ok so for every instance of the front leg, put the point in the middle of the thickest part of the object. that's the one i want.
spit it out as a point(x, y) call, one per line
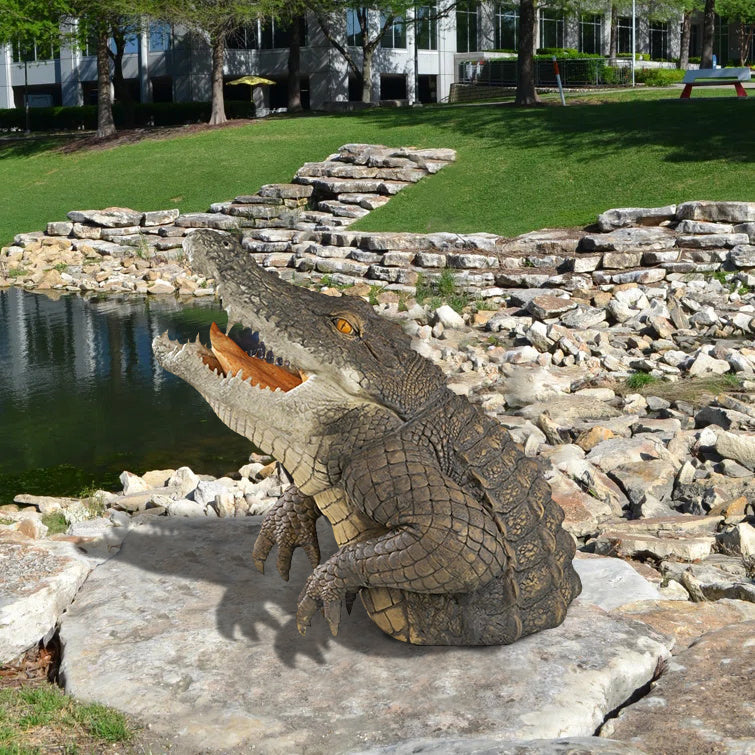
point(439, 539)
point(291, 523)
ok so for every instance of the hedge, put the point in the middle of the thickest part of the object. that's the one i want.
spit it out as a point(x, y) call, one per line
point(142, 114)
point(658, 77)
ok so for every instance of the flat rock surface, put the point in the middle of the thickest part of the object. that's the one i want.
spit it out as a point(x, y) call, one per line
point(38, 579)
point(491, 746)
point(180, 630)
point(703, 703)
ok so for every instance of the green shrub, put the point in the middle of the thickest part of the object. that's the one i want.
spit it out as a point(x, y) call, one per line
point(639, 380)
point(613, 75)
point(138, 115)
point(658, 77)
point(559, 52)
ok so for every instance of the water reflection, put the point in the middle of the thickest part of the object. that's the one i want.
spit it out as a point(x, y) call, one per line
point(82, 397)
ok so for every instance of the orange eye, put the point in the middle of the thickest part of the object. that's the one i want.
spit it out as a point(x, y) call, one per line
point(344, 326)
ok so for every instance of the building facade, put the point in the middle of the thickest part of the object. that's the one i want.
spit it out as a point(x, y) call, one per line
point(417, 60)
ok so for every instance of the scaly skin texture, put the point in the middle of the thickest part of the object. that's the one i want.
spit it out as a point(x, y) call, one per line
point(446, 531)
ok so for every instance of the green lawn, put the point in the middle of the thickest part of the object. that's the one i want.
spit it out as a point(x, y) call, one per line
point(517, 170)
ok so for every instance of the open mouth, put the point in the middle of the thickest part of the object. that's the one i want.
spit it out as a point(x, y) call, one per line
point(251, 359)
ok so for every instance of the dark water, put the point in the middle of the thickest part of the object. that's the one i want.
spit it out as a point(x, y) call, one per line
point(82, 397)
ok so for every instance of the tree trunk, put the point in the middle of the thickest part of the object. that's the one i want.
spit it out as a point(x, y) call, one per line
point(367, 74)
point(684, 42)
point(294, 67)
point(122, 93)
point(217, 115)
point(613, 43)
point(105, 123)
point(709, 27)
point(525, 85)
point(744, 38)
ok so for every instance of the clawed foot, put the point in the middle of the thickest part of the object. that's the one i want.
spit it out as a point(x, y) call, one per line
point(321, 593)
point(290, 524)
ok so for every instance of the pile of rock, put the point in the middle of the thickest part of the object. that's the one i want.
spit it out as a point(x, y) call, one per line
point(119, 249)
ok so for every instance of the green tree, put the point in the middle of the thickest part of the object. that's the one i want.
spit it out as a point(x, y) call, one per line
point(101, 20)
point(25, 20)
point(217, 19)
point(742, 14)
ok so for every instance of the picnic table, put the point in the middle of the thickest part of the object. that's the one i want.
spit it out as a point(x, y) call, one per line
point(706, 77)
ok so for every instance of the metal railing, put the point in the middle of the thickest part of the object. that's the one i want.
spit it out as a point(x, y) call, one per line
point(575, 72)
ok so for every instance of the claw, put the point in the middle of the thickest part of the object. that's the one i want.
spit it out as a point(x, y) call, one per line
point(313, 554)
point(307, 608)
point(349, 599)
point(285, 552)
point(332, 612)
point(262, 547)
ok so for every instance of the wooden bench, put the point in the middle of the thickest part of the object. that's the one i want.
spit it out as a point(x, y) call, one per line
point(707, 77)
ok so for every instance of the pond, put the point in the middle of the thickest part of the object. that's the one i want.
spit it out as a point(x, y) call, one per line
point(82, 397)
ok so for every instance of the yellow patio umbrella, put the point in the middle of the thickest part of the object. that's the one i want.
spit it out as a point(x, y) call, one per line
point(253, 81)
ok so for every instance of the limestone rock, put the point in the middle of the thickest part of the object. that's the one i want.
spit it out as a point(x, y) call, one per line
point(717, 212)
point(714, 578)
point(638, 478)
point(622, 217)
point(449, 317)
point(738, 540)
point(616, 451)
point(686, 621)
point(160, 217)
point(701, 703)
point(610, 583)
point(495, 746)
point(629, 239)
point(583, 513)
point(38, 580)
point(736, 446)
point(704, 364)
point(546, 306)
point(172, 651)
point(110, 217)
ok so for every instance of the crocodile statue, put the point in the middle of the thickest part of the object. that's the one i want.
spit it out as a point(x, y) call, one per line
point(446, 531)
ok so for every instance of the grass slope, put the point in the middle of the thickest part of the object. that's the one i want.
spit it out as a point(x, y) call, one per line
point(517, 170)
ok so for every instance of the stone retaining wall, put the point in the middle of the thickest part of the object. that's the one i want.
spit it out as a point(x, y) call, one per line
point(303, 227)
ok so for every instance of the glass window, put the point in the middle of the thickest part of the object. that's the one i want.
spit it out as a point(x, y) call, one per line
point(160, 37)
point(354, 19)
point(130, 47)
point(658, 40)
point(30, 50)
point(506, 27)
point(721, 41)
point(394, 35)
point(243, 38)
point(625, 35)
point(466, 26)
point(590, 25)
point(426, 26)
point(551, 28)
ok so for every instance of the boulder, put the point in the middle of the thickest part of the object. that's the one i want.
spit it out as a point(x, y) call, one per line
point(638, 478)
point(685, 620)
point(717, 212)
point(110, 217)
point(629, 240)
point(38, 580)
point(702, 702)
point(172, 651)
point(622, 217)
